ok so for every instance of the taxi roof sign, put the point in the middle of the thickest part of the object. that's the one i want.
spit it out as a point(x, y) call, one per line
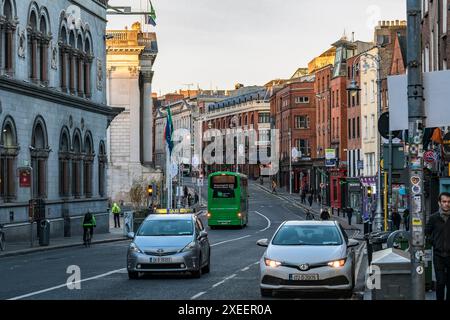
point(174, 211)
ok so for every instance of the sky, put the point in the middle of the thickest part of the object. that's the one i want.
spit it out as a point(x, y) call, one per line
point(218, 43)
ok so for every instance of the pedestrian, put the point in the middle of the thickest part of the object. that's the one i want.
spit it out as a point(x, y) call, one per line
point(196, 198)
point(274, 186)
point(406, 219)
point(349, 215)
point(303, 197)
point(310, 199)
point(319, 198)
point(189, 200)
point(396, 219)
point(309, 215)
point(116, 213)
point(261, 180)
point(324, 215)
point(437, 231)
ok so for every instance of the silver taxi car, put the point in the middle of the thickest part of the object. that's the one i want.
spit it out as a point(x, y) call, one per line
point(169, 243)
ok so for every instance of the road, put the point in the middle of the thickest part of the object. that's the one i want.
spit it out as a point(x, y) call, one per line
point(234, 265)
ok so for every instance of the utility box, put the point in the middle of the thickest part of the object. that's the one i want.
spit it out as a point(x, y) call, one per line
point(398, 159)
point(394, 267)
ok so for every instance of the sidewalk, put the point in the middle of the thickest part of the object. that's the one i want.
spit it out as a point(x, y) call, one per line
point(315, 209)
point(20, 248)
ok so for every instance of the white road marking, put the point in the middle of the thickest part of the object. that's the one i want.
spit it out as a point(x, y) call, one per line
point(361, 255)
point(198, 295)
point(65, 285)
point(268, 224)
point(231, 240)
point(231, 277)
point(245, 269)
point(218, 283)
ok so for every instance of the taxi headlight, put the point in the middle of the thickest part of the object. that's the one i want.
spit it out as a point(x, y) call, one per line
point(134, 248)
point(272, 263)
point(189, 247)
point(337, 263)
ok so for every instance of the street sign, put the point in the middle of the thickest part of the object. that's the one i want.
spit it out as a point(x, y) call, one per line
point(200, 182)
point(429, 156)
point(173, 170)
point(24, 177)
point(330, 162)
point(330, 154)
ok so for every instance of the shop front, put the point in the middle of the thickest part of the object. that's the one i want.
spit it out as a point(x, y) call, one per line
point(368, 185)
point(355, 192)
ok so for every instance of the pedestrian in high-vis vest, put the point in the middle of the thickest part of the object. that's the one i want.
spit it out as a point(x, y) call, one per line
point(116, 213)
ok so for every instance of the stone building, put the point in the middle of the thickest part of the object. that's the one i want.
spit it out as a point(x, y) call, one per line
point(53, 113)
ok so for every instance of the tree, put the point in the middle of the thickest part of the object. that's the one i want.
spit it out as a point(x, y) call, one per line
point(138, 194)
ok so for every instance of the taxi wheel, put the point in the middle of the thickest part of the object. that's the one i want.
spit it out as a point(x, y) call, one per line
point(266, 292)
point(206, 268)
point(133, 275)
point(198, 273)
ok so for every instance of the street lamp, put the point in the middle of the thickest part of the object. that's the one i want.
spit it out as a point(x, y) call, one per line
point(290, 162)
point(353, 88)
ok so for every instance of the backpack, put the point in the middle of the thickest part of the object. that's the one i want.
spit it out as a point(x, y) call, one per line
point(88, 217)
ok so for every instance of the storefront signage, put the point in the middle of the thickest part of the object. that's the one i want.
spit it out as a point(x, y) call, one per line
point(24, 177)
point(330, 154)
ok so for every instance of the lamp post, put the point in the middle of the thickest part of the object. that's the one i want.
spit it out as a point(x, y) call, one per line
point(354, 88)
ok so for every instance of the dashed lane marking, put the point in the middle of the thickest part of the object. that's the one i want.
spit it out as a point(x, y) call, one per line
point(198, 295)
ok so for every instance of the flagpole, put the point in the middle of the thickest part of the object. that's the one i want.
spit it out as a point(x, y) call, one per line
point(168, 180)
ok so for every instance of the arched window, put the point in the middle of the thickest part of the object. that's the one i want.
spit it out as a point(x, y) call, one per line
point(76, 164)
point(72, 62)
point(102, 160)
point(44, 47)
point(64, 163)
point(7, 32)
point(88, 164)
point(79, 66)
point(39, 155)
point(33, 39)
point(9, 150)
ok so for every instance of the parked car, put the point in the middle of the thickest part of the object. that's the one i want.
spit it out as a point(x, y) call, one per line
point(308, 256)
point(169, 243)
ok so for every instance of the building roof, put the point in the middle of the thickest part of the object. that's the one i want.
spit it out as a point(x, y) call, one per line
point(242, 95)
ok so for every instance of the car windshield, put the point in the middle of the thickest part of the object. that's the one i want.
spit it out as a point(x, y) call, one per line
point(166, 228)
point(307, 235)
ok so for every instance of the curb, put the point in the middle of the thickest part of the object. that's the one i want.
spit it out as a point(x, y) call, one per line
point(39, 249)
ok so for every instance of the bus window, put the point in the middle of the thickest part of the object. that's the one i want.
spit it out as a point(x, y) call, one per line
point(223, 186)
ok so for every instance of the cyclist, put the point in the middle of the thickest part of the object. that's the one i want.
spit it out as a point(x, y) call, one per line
point(88, 225)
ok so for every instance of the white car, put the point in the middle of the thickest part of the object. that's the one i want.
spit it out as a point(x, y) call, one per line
point(310, 256)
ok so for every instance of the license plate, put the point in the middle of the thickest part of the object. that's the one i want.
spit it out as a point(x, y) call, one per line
point(306, 277)
point(160, 260)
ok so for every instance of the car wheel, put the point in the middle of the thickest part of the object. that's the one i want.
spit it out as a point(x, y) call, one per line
point(266, 292)
point(213, 227)
point(133, 275)
point(207, 267)
point(198, 273)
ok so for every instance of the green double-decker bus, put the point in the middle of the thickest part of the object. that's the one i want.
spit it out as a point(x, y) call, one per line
point(227, 199)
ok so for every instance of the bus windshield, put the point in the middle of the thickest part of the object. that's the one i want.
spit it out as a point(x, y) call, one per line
point(223, 186)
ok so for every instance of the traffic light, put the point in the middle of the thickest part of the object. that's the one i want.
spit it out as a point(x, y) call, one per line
point(150, 190)
point(369, 192)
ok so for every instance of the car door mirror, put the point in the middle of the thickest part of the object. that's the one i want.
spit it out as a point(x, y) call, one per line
point(352, 243)
point(130, 235)
point(203, 234)
point(263, 242)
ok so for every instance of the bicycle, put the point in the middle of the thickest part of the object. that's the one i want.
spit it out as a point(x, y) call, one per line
point(2, 239)
point(87, 243)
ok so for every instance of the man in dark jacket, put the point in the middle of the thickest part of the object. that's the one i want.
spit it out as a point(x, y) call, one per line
point(437, 231)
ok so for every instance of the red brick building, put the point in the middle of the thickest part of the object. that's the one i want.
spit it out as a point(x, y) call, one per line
point(294, 110)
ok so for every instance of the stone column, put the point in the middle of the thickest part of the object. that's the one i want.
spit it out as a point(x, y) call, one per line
point(80, 75)
point(9, 39)
point(72, 61)
point(64, 57)
point(87, 74)
point(147, 121)
point(34, 49)
point(44, 60)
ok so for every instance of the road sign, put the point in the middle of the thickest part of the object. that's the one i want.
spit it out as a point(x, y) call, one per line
point(429, 156)
point(330, 162)
point(200, 182)
point(330, 154)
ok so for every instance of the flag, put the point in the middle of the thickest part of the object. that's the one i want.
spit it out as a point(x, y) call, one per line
point(437, 136)
point(151, 17)
point(169, 130)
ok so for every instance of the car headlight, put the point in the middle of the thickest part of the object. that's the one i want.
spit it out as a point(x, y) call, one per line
point(337, 263)
point(134, 248)
point(272, 263)
point(189, 247)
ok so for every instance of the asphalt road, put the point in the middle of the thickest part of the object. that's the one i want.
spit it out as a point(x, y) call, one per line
point(234, 265)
